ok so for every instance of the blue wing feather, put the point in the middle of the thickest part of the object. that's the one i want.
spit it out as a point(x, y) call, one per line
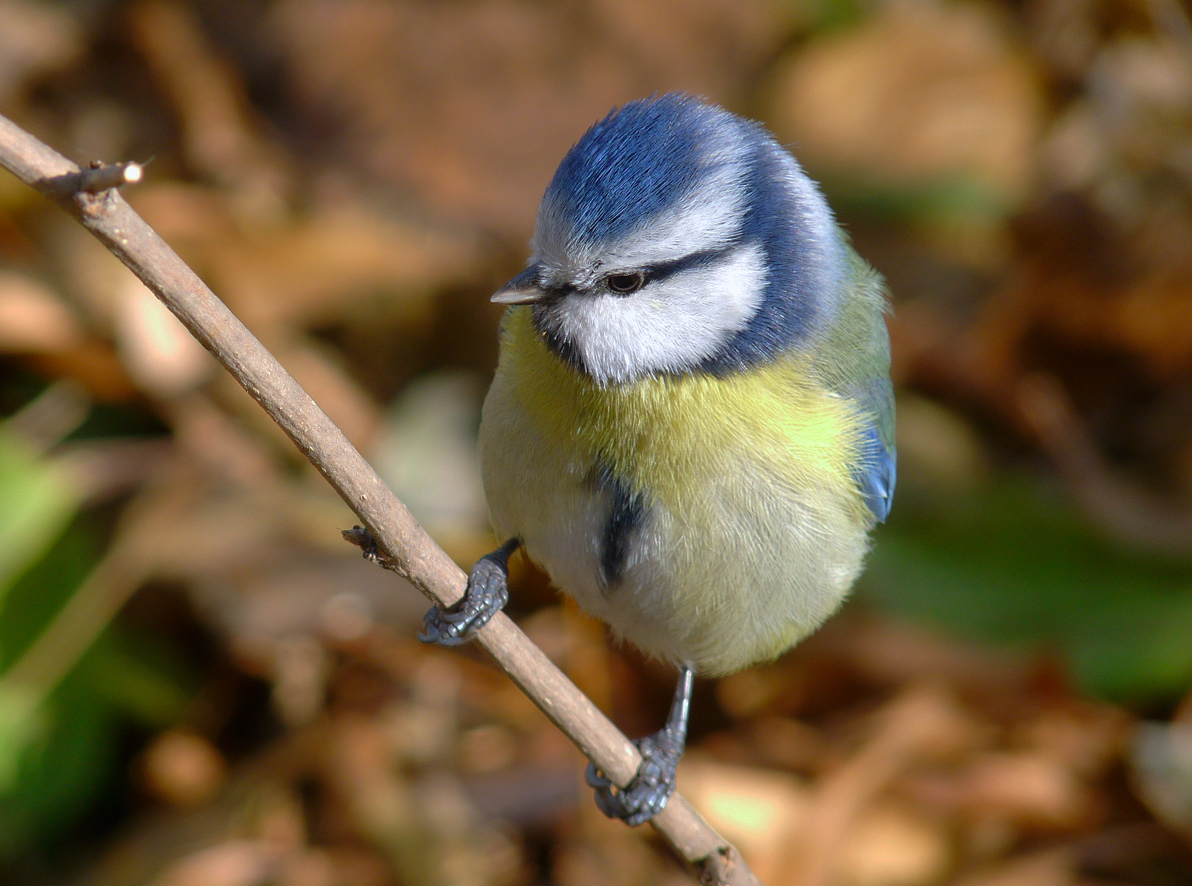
point(876, 474)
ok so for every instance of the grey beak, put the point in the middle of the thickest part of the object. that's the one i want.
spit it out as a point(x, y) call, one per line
point(521, 290)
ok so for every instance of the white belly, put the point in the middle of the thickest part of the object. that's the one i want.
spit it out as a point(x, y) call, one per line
point(741, 569)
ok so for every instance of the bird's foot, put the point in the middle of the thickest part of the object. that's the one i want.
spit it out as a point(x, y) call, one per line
point(486, 595)
point(651, 787)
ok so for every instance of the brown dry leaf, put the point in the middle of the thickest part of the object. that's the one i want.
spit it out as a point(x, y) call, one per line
point(261, 605)
point(34, 39)
point(757, 810)
point(788, 744)
point(920, 93)
point(471, 106)
point(425, 824)
point(1054, 867)
point(219, 136)
point(360, 767)
point(94, 365)
point(309, 269)
point(893, 845)
point(892, 654)
point(234, 863)
point(36, 323)
point(1029, 789)
point(304, 274)
point(1086, 739)
point(763, 811)
point(33, 318)
point(923, 723)
point(183, 768)
point(603, 855)
point(1149, 319)
point(1141, 88)
point(752, 691)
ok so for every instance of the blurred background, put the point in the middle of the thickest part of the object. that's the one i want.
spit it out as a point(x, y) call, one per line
point(200, 683)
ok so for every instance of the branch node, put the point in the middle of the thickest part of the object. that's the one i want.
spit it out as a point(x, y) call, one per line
point(88, 187)
point(717, 868)
point(363, 539)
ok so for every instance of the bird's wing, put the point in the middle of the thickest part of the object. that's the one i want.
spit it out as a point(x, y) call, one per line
point(855, 355)
point(877, 468)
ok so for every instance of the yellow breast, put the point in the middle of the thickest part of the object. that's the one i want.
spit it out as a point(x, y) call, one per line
point(756, 527)
point(657, 432)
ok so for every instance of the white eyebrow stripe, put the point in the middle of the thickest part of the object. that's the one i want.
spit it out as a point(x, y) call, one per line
point(707, 218)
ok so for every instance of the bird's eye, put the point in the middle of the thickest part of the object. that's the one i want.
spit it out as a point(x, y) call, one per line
point(624, 284)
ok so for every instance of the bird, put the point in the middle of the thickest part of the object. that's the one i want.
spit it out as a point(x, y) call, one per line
point(691, 424)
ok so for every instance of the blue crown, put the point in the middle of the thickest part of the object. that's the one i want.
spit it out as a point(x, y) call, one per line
point(638, 160)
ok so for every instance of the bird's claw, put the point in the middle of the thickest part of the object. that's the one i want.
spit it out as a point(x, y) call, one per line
point(486, 595)
point(651, 786)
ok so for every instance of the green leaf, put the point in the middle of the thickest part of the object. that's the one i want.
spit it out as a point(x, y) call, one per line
point(37, 500)
point(1009, 565)
point(58, 773)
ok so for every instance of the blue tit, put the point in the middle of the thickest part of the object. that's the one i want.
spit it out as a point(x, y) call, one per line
point(691, 427)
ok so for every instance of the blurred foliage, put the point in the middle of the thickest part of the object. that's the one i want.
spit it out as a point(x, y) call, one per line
point(199, 683)
point(1010, 564)
point(60, 731)
point(37, 502)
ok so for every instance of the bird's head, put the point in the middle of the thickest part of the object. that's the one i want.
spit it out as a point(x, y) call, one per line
point(677, 237)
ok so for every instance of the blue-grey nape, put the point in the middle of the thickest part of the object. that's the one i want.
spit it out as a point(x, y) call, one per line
point(803, 264)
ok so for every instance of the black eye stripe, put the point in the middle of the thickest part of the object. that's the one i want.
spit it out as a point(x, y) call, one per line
point(694, 260)
point(559, 291)
point(662, 270)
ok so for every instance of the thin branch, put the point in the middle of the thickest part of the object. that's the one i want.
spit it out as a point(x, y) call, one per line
point(415, 555)
point(99, 176)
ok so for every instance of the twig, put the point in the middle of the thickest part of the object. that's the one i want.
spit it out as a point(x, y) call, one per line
point(96, 178)
point(399, 537)
point(100, 176)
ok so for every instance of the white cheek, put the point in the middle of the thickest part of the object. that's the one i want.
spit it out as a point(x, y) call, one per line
point(672, 325)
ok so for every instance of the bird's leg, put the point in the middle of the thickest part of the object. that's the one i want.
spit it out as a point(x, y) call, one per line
point(486, 595)
point(647, 793)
